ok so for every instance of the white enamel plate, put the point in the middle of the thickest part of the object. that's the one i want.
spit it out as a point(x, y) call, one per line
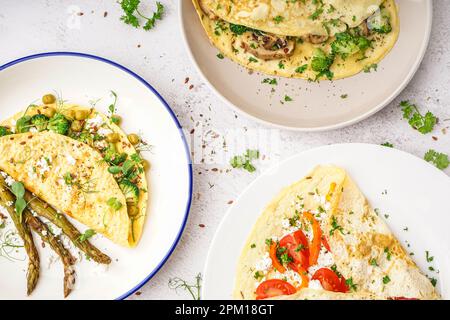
point(82, 79)
point(315, 107)
point(413, 194)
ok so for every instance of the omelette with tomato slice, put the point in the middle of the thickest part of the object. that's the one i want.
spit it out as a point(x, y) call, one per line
point(320, 239)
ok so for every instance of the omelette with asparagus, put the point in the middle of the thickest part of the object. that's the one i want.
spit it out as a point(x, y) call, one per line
point(308, 39)
point(60, 159)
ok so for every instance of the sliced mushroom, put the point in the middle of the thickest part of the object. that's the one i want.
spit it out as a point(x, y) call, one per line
point(315, 38)
point(207, 10)
point(364, 29)
point(267, 46)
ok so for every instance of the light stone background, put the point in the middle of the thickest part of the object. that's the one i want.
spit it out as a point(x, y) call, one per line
point(34, 26)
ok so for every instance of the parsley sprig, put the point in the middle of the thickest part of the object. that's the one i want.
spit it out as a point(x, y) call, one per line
point(440, 160)
point(245, 161)
point(422, 123)
point(132, 14)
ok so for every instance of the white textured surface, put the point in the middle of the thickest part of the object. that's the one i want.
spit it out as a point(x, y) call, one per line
point(28, 27)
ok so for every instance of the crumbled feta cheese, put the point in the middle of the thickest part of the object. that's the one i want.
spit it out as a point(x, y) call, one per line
point(32, 172)
point(95, 123)
point(325, 258)
point(9, 181)
point(104, 131)
point(285, 224)
point(33, 130)
point(44, 233)
point(44, 164)
point(70, 160)
point(9, 203)
point(264, 264)
point(315, 284)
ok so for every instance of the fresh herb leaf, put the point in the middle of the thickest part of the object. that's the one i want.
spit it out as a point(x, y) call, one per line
point(89, 233)
point(244, 161)
point(422, 123)
point(193, 289)
point(132, 14)
point(440, 160)
point(114, 203)
point(387, 144)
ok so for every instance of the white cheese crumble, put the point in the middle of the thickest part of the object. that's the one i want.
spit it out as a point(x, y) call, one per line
point(44, 164)
point(33, 130)
point(93, 124)
point(104, 131)
point(315, 284)
point(8, 180)
point(70, 160)
point(264, 264)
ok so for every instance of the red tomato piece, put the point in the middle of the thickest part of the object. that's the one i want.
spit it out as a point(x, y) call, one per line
point(273, 288)
point(330, 281)
point(297, 247)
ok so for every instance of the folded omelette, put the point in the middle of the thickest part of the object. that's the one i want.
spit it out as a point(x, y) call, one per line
point(81, 163)
point(309, 39)
point(320, 239)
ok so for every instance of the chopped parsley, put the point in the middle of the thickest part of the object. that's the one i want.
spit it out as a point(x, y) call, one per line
point(335, 226)
point(386, 279)
point(301, 69)
point(370, 67)
point(287, 98)
point(132, 14)
point(387, 144)
point(220, 56)
point(422, 123)
point(258, 275)
point(428, 257)
point(253, 246)
point(273, 81)
point(440, 160)
point(350, 284)
point(373, 262)
point(388, 253)
point(245, 161)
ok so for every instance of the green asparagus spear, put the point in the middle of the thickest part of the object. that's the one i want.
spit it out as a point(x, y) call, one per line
point(55, 243)
point(25, 233)
point(44, 210)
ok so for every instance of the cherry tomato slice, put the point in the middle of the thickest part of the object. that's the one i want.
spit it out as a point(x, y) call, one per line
point(297, 247)
point(330, 280)
point(325, 243)
point(273, 288)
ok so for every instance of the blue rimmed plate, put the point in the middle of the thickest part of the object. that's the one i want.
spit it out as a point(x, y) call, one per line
point(83, 79)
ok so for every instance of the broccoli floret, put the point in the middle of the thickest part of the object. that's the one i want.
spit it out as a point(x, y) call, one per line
point(380, 22)
point(130, 190)
point(59, 124)
point(114, 157)
point(23, 124)
point(4, 131)
point(39, 121)
point(84, 137)
point(321, 63)
point(347, 44)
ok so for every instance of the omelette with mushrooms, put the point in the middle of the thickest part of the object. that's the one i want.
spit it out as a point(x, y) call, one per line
point(309, 39)
point(74, 158)
point(320, 239)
